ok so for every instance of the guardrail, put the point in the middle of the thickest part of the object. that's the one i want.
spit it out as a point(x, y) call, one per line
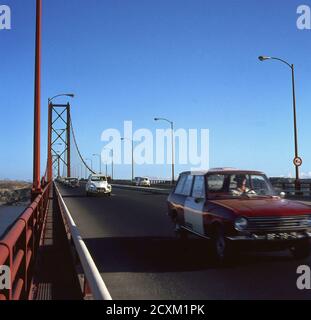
point(92, 280)
point(165, 184)
point(289, 188)
point(19, 246)
point(143, 189)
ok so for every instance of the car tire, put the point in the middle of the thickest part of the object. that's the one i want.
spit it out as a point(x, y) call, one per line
point(221, 248)
point(301, 250)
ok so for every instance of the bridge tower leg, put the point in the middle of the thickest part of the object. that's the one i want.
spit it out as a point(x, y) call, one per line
point(49, 168)
point(68, 141)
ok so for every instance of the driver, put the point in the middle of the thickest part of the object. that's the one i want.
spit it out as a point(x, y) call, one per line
point(241, 187)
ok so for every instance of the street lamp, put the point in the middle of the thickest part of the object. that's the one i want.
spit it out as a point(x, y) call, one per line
point(70, 95)
point(100, 161)
point(111, 163)
point(172, 133)
point(123, 139)
point(297, 160)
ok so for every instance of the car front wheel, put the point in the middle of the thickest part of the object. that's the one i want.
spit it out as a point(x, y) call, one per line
point(221, 249)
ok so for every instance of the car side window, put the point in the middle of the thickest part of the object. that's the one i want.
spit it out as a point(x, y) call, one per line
point(180, 184)
point(198, 187)
point(187, 186)
point(215, 182)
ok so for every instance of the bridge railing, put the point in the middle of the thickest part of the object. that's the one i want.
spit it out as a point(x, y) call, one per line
point(19, 246)
point(289, 188)
point(92, 282)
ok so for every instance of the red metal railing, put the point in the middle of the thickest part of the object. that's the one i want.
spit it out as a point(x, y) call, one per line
point(18, 248)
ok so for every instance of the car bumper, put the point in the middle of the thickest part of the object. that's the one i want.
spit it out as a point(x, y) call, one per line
point(99, 191)
point(268, 243)
point(284, 236)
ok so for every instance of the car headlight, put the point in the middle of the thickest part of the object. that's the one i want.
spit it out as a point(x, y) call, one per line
point(240, 224)
point(92, 186)
point(109, 186)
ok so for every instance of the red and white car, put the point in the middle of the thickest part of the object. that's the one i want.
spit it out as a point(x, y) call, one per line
point(230, 206)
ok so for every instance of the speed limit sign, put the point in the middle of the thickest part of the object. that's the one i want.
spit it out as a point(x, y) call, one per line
point(298, 161)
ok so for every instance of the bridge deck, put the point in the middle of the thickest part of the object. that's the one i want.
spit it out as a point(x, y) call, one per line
point(133, 245)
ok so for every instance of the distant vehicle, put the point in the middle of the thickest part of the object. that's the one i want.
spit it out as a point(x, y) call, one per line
point(66, 181)
point(142, 182)
point(238, 209)
point(74, 183)
point(70, 182)
point(97, 184)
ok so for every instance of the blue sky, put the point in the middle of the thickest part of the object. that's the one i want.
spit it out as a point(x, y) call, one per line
point(192, 61)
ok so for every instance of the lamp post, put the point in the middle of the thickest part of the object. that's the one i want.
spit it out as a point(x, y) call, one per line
point(123, 139)
point(100, 161)
point(297, 160)
point(172, 137)
point(111, 163)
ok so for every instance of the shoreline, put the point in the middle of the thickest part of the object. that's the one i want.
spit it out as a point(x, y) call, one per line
point(14, 193)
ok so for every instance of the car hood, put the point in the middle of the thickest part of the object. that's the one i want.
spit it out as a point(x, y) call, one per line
point(264, 207)
point(100, 184)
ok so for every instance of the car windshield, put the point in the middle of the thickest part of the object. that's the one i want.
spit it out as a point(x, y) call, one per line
point(98, 178)
point(238, 185)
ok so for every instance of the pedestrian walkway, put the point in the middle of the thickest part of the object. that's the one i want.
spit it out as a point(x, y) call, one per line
point(55, 276)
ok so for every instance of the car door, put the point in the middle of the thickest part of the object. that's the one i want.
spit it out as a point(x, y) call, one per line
point(179, 196)
point(194, 205)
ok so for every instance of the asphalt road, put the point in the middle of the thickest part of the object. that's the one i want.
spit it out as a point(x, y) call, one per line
point(133, 245)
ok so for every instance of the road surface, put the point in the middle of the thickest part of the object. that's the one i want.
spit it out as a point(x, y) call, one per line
point(133, 245)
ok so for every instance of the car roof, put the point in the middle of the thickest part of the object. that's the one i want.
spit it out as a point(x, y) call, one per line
point(222, 171)
point(97, 175)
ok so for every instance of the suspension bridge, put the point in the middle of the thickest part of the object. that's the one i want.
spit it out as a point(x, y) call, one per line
point(69, 246)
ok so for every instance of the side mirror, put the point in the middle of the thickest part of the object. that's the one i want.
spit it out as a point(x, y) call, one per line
point(198, 200)
point(282, 194)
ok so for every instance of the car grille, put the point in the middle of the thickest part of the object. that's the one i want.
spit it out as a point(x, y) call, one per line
point(292, 223)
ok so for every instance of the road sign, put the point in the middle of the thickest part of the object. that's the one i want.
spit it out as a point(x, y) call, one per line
point(298, 161)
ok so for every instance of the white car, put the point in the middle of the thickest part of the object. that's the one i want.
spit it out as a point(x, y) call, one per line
point(97, 184)
point(142, 182)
